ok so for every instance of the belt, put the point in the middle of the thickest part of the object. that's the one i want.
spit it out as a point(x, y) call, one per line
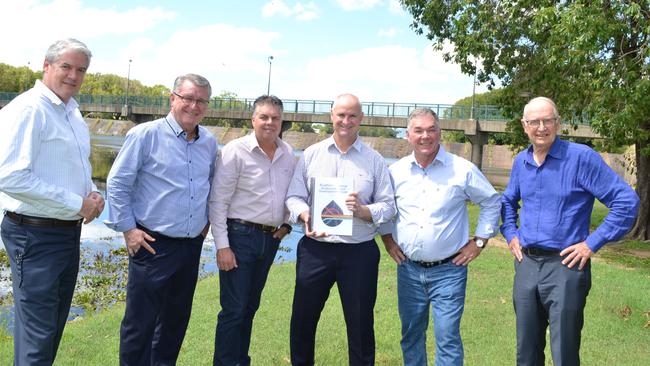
point(41, 221)
point(434, 263)
point(535, 251)
point(265, 228)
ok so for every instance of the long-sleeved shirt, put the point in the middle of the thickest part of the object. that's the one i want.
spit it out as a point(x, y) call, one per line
point(44, 156)
point(162, 181)
point(248, 185)
point(558, 197)
point(432, 221)
point(371, 181)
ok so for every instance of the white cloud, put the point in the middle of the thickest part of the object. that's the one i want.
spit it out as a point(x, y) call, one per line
point(388, 33)
point(395, 7)
point(299, 11)
point(66, 18)
point(389, 73)
point(350, 5)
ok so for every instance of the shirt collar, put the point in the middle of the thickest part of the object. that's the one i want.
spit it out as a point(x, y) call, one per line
point(357, 145)
point(251, 142)
point(176, 128)
point(442, 157)
point(49, 94)
point(557, 151)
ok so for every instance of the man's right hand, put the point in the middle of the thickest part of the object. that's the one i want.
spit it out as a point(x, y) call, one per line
point(515, 249)
point(393, 249)
point(304, 216)
point(136, 238)
point(226, 259)
point(91, 207)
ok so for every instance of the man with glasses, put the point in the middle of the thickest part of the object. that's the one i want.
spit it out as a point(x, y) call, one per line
point(46, 191)
point(248, 222)
point(430, 239)
point(157, 192)
point(556, 182)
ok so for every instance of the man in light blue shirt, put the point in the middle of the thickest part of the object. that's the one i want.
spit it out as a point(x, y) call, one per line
point(157, 192)
point(46, 191)
point(430, 238)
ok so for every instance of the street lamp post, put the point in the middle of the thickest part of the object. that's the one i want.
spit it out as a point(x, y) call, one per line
point(128, 84)
point(268, 85)
point(473, 92)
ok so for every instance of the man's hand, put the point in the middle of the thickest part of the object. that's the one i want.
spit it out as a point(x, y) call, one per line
point(91, 207)
point(304, 216)
point(280, 233)
point(515, 248)
point(136, 238)
point(577, 253)
point(226, 259)
point(358, 210)
point(468, 253)
point(393, 249)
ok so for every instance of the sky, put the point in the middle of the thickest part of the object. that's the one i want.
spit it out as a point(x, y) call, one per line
point(320, 48)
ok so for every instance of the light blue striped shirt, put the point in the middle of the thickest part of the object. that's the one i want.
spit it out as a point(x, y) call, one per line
point(371, 181)
point(432, 221)
point(162, 181)
point(44, 156)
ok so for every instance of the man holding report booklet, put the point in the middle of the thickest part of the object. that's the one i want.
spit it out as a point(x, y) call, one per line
point(349, 260)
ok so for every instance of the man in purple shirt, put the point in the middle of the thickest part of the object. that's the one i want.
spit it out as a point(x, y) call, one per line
point(248, 218)
point(557, 182)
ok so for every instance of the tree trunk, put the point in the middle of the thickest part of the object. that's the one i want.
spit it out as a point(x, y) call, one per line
point(641, 230)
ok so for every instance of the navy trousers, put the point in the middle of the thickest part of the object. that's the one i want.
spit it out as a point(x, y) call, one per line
point(240, 291)
point(159, 296)
point(354, 268)
point(44, 265)
point(548, 292)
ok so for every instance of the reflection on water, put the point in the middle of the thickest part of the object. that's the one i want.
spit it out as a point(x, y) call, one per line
point(103, 265)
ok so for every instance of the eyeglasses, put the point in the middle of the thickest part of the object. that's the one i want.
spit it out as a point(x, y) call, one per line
point(548, 122)
point(190, 101)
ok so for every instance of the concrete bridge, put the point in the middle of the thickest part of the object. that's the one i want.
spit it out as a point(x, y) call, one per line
point(475, 124)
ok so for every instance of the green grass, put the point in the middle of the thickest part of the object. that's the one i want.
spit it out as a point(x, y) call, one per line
point(616, 332)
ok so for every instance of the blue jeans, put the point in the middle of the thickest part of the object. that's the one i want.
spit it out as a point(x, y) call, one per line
point(443, 287)
point(44, 266)
point(240, 292)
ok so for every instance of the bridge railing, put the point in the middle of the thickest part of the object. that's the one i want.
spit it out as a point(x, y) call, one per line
point(374, 109)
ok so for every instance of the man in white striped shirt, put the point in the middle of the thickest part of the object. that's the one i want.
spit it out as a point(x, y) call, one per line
point(46, 191)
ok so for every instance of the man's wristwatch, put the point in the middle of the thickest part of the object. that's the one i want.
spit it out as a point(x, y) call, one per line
point(480, 242)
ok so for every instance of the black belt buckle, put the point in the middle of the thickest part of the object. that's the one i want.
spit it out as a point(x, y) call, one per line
point(264, 228)
point(434, 263)
point(540, 252)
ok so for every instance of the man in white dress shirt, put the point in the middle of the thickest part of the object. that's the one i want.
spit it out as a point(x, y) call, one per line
point(349, 260)
point(46, 191)
point(430, 238)
point(248, 218)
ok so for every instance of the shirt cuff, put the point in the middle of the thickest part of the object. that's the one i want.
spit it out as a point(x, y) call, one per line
point(595, 241)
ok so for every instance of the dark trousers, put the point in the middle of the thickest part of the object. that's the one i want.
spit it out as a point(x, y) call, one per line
point(159, 296)
point(44, 265)
point(240, 292)
point(546, 291)
point(354, 268)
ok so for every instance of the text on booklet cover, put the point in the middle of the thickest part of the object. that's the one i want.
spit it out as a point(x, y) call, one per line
point(329, 213)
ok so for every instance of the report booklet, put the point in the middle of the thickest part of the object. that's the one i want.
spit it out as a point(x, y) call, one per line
point(328, 211)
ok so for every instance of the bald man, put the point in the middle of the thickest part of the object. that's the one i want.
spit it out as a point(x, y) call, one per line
point(349, 260)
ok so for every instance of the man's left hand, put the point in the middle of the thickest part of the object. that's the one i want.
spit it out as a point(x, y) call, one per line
point(577, 253)
point(467, 254)
point(358, 209)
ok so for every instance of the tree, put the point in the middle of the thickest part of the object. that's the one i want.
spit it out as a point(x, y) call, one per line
point(591, 57)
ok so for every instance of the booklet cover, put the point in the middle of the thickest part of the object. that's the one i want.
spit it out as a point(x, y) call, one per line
point(328, 211)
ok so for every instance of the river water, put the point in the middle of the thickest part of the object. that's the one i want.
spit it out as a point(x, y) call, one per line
point(97, 240)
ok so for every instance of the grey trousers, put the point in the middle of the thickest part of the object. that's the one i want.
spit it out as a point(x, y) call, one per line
point(546, 291)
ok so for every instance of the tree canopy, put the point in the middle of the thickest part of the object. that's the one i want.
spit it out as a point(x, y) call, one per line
point(592, 57)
